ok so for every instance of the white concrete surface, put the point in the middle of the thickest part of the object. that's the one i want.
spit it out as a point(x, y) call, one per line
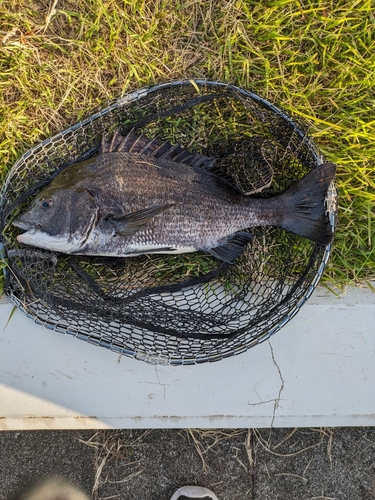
point(319, 370)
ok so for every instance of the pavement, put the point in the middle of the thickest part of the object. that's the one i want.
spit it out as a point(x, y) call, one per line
point(237, 464)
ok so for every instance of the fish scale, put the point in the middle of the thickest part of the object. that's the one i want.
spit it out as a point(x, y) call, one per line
point(204, 205)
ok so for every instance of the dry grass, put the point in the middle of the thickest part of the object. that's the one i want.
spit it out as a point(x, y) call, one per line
point(118, 450)
point(111, 445)
point(253, 439)
point(308, 463)
point(205, 440)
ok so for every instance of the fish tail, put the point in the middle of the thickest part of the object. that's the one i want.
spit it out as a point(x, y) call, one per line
point(304, 204)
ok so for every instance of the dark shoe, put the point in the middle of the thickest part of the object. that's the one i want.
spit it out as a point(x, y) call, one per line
point(194, 493)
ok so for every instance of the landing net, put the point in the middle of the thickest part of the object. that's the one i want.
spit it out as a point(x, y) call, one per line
point(181, 309)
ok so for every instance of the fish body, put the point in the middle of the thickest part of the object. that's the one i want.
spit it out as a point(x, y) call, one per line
point(124, 203)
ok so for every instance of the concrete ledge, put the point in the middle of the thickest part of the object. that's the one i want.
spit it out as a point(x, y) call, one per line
point(319, 370)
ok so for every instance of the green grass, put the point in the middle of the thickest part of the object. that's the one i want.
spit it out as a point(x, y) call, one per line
point(316, 59)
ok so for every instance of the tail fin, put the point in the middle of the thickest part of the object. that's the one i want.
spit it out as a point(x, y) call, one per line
point(304, 204)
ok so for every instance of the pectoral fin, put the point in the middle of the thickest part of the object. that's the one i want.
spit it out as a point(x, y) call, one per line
point(128, 224)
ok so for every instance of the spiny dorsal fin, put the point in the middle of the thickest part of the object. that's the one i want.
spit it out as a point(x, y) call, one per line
point(133, 143)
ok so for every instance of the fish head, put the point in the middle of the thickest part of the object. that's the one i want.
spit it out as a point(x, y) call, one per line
point(59, 219)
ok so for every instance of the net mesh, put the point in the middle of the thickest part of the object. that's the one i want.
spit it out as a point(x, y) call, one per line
point(180, 309)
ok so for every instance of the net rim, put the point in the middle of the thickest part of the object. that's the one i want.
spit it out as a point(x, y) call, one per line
point(125, 99)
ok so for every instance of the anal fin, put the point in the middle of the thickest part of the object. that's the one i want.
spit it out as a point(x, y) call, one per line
point(233, 248)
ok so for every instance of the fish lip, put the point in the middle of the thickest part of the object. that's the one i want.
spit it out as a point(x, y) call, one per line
point(24, 225)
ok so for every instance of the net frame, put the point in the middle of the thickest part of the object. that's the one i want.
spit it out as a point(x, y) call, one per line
point(150, 352)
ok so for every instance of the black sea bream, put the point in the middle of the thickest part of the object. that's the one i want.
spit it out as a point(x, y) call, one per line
point(141, 196)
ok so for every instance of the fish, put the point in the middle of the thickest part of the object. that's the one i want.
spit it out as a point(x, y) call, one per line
point(145, 196)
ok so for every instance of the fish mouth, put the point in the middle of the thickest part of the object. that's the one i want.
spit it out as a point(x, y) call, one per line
point(28, 227)
point(24, 225)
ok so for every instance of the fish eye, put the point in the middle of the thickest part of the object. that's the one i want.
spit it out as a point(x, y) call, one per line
point(45, 203)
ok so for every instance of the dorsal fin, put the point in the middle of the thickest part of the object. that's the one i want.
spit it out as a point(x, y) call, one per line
point(133, 143)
